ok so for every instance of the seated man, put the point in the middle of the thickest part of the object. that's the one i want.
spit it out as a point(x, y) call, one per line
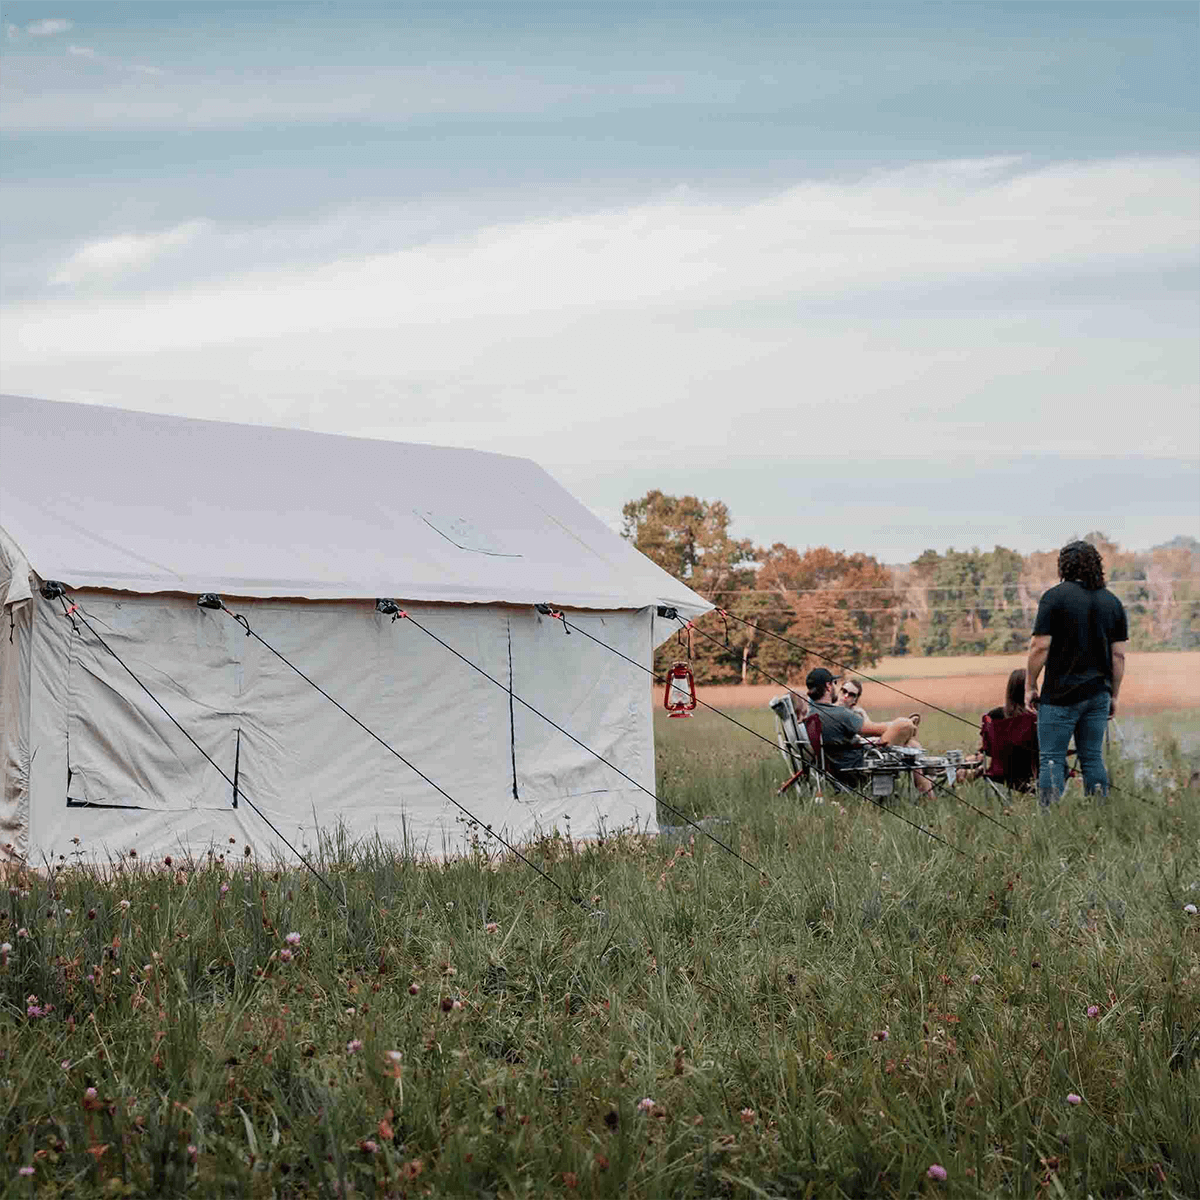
point(841, 727)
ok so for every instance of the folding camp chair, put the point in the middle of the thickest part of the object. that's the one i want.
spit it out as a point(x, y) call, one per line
point(1011, 747)
point(794, 745)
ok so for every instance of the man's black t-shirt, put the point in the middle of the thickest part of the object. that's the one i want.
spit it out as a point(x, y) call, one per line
point(839, 727)
point(1082, 625)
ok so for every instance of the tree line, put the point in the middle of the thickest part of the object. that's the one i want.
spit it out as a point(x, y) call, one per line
point(851, 608)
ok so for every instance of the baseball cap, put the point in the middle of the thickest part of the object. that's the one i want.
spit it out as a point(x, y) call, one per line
point(819, 677)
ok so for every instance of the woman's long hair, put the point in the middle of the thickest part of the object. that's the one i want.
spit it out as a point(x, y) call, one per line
point(1080, 562)
point(1014, 694)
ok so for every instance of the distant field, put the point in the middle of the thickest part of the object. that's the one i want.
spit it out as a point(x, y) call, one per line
point(971, 685)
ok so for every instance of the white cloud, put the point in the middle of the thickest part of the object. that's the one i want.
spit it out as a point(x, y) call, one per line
point(116, 256)
point(805, 318)
point(12, 32)
point(48, 27)
point(82, 52)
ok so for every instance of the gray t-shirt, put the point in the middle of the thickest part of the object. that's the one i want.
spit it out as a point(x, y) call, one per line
point(839, 727)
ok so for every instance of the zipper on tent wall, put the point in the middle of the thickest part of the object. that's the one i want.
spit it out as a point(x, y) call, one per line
point(237, 765)
point(512, 721)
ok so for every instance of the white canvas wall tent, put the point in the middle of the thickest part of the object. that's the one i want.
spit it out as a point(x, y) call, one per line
point(138, 515)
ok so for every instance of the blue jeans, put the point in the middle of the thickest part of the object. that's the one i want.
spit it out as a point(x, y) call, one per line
point(1056, 723)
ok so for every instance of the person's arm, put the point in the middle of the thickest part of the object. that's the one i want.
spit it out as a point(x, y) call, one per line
point(1039, 651)
point(1118, 673)
point(873, 729)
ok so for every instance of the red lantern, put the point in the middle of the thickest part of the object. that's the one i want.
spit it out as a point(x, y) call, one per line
point(679, 696)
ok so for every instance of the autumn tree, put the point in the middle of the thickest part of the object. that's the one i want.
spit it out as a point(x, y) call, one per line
point(690, 539)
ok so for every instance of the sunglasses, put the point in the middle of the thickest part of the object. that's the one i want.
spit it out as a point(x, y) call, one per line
point(852, 694)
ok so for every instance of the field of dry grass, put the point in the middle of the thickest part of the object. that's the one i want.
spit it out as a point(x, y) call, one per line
point(1153, 683)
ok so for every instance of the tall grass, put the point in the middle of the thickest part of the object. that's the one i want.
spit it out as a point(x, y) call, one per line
point(873, 1005)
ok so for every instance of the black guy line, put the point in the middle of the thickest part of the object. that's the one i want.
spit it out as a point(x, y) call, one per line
point(206, 754)
point(754, 732)
point(392, 750)
point(584, 746)
point(950, 791)
point(843, 667)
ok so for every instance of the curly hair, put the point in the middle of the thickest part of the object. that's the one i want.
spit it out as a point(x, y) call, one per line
point(1080, 562)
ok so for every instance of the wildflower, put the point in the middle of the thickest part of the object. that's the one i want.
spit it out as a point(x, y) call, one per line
point(456, 1005)
point(91, 914)
point(880, 1035)
point(1074, 1098)
point(90, 1094)
point(447, 1004)
point(35, 1011)
point(22, 932)
point(1093, 1011)
point(26, 1170)
point(193, 1152)
point(124, 905)
point(645, 1104)
point(354, 1045)
point(1190, 909)
point(976, 978)
point(65, 1064)
point(395, 1055)
point(285, 955)
point(413, 988)
point(6, 948)
point(368, 1146)
point(168, 860)
point(224, 888)
point(292, 939)
point(936, 1171)
point(491, 927)
point(749, 1116)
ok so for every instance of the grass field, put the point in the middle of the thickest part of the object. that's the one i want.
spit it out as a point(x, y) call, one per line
point(874, 1015)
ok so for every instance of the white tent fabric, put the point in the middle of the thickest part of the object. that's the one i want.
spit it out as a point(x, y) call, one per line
point(101, 497)
point(300, 533)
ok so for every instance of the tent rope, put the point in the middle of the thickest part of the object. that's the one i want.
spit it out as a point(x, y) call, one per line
point(582, 745)
point(391, 749)
point(76, 607)
point(949, 790)
point(726, 615)
point(754, 733)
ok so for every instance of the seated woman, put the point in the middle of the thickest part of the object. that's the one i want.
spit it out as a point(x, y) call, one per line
point(1008, 737)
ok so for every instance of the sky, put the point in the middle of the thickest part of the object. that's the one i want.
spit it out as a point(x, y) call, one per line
point(883, 277)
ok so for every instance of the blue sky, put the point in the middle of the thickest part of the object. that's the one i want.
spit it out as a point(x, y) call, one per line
point(881, 276)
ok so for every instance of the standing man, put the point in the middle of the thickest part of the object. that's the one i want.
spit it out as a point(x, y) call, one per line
point(1079, 637)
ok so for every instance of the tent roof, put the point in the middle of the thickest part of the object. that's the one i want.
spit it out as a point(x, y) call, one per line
point(104, 497)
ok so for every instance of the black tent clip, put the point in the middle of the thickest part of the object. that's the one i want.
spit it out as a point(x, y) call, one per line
point(547, 611)
point(667, 611)
point(389, 608)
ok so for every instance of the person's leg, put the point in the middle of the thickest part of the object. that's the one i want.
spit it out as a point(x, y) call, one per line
point(899, 732)
point(903, 732)
point(1056, 723)
point(1089, 743)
